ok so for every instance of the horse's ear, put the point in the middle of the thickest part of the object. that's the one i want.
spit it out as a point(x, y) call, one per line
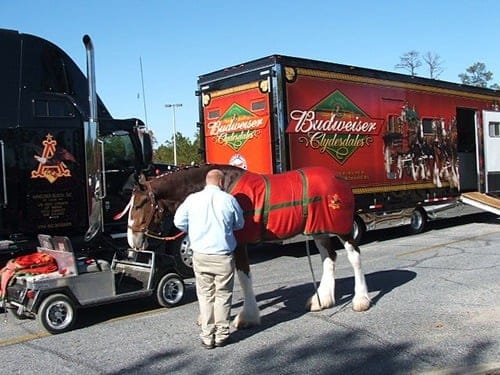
point(137, 181)
point(141, 179)
point(131, 184)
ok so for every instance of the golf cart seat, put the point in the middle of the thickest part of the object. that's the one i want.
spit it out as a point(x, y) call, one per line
point(61, 249)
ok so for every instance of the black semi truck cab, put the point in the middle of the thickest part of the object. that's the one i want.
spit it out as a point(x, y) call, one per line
point(65, 163)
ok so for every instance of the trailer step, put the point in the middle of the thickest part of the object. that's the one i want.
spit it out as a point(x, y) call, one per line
point(483, 201)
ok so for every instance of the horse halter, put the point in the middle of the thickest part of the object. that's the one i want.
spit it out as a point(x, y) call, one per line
point(155, 208)
point(149, 219)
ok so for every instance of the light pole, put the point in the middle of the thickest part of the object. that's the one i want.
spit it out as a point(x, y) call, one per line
point(175, 130)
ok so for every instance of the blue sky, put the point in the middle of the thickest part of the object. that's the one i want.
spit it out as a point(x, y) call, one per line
point(179, 40)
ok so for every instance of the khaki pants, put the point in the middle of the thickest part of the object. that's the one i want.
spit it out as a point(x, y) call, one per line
point(214, 276)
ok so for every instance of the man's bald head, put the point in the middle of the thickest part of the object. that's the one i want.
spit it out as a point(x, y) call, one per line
point(215, 177)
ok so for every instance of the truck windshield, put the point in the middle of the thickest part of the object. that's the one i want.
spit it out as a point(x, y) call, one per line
point(118, 152)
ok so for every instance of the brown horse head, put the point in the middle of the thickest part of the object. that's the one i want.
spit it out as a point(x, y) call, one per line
point(142, 213)
point(155, 199)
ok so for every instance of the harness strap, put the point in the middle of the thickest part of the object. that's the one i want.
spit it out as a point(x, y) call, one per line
point(305, 195)
point(154, 207)
point(167, 238)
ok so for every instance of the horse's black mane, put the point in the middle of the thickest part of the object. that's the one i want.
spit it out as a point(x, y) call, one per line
point(179, 169)
point(185, 177)
point(188, 168)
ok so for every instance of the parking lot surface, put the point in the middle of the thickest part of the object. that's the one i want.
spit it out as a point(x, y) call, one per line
point(435, 310)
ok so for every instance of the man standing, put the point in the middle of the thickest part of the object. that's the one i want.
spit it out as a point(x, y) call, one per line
point(209, 217)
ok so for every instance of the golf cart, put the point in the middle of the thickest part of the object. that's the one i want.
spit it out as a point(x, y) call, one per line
point(56, 298)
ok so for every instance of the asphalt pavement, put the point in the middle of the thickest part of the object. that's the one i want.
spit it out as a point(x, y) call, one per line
point(435, 310)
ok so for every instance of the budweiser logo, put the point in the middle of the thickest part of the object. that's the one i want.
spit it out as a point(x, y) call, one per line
point(306, 122)
point(235, 125)
point(335, 126)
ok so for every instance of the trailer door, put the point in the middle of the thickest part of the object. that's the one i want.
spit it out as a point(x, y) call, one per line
point(491, 140)
point(237, 126)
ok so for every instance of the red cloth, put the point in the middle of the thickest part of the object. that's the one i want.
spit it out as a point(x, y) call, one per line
point(35, 263)
point(309, 201)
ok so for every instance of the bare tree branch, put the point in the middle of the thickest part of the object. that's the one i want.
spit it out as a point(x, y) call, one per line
point(410, 61)
point(434, 64)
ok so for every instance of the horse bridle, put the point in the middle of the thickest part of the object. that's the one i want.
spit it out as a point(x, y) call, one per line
point(155, 208)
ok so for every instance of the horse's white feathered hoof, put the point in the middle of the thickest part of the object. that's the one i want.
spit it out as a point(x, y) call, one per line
point(241, 322)
point(361, 303)
point(315, 304)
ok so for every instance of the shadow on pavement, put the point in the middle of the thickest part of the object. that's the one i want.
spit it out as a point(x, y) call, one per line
point(293, 299)
point(99, 314)
point(267, 251)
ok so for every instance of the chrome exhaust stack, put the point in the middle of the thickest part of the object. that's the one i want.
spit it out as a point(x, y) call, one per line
point(93, 151)
point(89, 47)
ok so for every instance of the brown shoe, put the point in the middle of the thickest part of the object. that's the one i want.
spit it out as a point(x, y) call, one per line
point(207, 346)
point(222, 343)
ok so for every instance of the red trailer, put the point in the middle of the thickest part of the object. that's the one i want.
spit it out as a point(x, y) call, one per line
point(413, 149)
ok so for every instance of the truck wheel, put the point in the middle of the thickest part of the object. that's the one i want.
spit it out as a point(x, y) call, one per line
point(418, 221)
point(183, 255)
point(170, 290)
point(57, 313)
point(358, 230)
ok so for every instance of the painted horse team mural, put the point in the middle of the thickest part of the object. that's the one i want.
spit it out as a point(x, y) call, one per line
point(425, 149)
point(311, 201)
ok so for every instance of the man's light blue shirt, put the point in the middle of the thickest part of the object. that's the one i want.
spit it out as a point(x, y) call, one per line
point(209, 217)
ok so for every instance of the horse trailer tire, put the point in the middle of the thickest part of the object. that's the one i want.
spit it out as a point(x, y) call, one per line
point(170, 290)
point(57, 313)
point(183, 255)
point(418, 221)
point(358, 229)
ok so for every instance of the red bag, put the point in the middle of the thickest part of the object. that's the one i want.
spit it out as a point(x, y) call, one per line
point(35, 263)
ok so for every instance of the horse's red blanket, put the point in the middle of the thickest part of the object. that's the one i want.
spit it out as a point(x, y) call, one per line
point(309, 201)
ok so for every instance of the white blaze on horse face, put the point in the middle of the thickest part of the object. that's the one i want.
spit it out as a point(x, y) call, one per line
point(136, 240)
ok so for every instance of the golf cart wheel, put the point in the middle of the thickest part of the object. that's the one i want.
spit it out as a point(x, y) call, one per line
point(57, 313)
point(418, 221)
point(170, 290)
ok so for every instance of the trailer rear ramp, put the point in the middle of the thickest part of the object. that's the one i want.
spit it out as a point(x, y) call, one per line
point(483, 201)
